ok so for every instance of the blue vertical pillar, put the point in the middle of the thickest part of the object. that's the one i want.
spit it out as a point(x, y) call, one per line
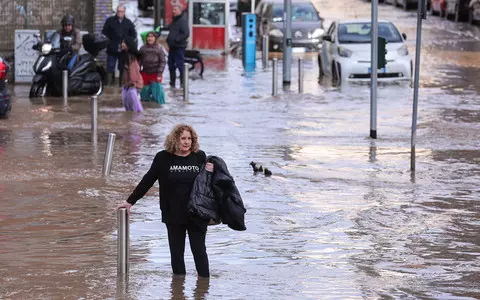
point(249, 39)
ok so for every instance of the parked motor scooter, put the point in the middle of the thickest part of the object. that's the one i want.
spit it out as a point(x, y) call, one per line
point(85, 78)
point(5, 98)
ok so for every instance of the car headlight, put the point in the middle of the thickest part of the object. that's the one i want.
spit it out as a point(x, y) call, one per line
point(46, 48)
point(316, 33)
point(344, 52)
point(276, 33)
point(403, 51)
point(48, 66)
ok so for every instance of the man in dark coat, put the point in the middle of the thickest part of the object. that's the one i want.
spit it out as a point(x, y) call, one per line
point(117, 28)
point(177, 42)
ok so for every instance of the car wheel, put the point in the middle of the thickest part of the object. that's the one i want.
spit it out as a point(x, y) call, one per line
point(4, 115)
point(336, 73)
point(320, 67)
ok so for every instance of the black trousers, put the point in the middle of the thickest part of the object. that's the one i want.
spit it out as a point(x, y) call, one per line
point(176, 241)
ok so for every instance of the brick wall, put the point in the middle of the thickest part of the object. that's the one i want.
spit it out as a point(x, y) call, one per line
point(102, 9)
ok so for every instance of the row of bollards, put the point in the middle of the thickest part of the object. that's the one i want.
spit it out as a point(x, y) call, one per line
point(123, 241)
point(94, 104)
point(185, 82)
point(265, 51)
point(107, 162)
point(275, 76)
point(65, 87)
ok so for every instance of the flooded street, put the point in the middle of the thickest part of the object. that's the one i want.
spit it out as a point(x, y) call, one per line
point(342, 217)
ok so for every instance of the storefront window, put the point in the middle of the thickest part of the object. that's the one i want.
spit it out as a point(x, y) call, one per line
point(209, 14)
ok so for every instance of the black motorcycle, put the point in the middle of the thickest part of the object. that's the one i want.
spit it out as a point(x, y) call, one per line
point(84, 78)
point(5, 101)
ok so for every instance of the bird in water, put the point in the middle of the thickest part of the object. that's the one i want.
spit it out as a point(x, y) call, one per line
point(255, 168)
point(267, 172)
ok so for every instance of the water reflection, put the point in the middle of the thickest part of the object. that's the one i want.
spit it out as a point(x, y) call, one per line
point(177, 288)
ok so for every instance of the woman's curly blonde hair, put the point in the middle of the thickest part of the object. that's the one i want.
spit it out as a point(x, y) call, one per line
point(172, 141)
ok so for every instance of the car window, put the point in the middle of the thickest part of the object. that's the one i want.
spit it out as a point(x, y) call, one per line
point(301, 12)
point(358, 33)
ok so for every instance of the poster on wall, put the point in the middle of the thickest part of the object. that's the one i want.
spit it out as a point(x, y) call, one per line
point(169, 4)
point(25, 56)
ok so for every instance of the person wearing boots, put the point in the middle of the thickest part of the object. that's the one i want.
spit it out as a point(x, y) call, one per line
point(177, 42)
point(117, 28)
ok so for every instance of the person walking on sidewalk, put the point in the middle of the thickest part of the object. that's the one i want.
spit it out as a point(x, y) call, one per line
point(152, 63)
point(177, 42)
point(117, 28)
point(176, 169)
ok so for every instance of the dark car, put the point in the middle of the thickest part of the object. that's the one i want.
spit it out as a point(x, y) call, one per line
point(145, 4)
point(459, 9)
point(307, 25)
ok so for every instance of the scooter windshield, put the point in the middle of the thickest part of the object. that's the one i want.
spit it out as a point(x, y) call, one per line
point(54, 38)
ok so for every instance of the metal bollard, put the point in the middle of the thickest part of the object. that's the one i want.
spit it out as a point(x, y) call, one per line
point(275, 77)
point(123, 241)
point(107, 161)
point(265, 51)
point(94, 114)
point(300, 75)
point(185, 82)
point(65, 86)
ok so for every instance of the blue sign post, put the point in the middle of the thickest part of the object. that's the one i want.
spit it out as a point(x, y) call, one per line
point(249, 40)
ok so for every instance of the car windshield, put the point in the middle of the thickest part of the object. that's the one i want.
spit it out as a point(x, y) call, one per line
point(301, 12)
point(358, 33)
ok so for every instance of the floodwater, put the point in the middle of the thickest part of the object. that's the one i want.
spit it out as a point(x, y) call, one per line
point(342, 217)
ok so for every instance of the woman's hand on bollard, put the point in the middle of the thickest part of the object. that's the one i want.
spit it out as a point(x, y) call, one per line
point(125, 205)
point(209, 167)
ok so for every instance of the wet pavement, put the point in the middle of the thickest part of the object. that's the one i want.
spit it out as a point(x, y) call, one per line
point(342, 217)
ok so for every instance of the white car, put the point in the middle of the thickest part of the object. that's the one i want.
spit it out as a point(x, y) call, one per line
point(346, 52)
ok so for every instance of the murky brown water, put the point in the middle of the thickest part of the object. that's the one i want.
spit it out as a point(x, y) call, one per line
point(341, 218)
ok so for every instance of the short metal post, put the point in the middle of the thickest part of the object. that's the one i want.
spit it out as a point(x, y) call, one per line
point(123, 241)
point(300, 75)
point(107, 161)
point(275, 77)
point(265, 51)
point(185, 82)
point(65, 86)
point(94, 114)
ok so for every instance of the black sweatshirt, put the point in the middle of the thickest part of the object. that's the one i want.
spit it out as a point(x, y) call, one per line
point(175, 175)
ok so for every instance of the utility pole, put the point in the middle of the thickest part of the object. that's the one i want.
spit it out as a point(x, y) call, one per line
point(421, 14)
point(373, 70)
point(157, 13)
